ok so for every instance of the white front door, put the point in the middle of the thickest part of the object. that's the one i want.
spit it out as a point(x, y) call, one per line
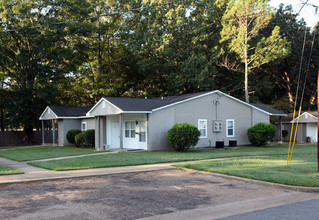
point(141, 130)
point(115, 135)
point(135, 134)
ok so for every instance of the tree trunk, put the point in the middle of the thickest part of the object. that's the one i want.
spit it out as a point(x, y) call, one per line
point(2, 120)
point(290, 96)
point(246, 60)
point(29, 135)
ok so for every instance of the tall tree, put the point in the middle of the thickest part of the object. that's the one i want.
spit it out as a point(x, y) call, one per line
point(33, 60)
point(242, 23)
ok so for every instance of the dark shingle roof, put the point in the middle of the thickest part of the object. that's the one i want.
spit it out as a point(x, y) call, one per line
point(140, 104)
point(271, 110)
point(67, 111)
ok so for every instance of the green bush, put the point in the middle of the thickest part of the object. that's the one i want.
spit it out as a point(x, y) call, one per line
point(79, 140)
point(261, 133)
point(183, 136)
point(71, 135)
point(89, 137)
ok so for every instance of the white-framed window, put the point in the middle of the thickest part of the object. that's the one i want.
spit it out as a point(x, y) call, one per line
point(202, 127)
point(83, 126)
point(230, 128)
point(130, 129)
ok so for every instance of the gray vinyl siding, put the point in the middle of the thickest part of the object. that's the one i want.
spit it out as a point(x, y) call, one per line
point(159, 124)
point(258, 116)
point(61, 139)
point(244, 116)
point(309, 119)
point(64, 126)
point(90, 122)
point(107, 110)
point(47, 116)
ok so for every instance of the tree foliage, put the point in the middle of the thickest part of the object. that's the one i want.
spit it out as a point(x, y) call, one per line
point(82, 51)
point(242, 23)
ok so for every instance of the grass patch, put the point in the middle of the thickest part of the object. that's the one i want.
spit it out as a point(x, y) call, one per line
point(140, 158)
point(273, 168)
point(44, 152)
point(5, 170)
point(17, 146)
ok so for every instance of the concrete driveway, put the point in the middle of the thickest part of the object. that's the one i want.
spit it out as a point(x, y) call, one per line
point(163, 194)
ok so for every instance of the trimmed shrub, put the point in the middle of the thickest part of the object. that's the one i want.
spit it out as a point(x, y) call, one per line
point(71, 134)
point(89, 137)
point(79, 140)
point(261, 133)
point(183, 136)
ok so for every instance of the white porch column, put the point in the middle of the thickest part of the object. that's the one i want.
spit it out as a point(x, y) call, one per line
point(53, 133)
point(121, 131)
point(43, 141)
point(280, 135)
point(97, 133)
point(147, 132)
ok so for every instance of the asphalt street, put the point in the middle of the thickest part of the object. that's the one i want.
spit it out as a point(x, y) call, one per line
point(163, 194)
point(306, 210)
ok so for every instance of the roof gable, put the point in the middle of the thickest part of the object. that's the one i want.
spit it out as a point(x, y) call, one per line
point(104, 107)
point(307, 117)
point(56, 112)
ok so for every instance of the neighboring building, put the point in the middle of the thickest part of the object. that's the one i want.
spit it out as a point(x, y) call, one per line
point(135, 123)
point(66, 118)
point(307, 127)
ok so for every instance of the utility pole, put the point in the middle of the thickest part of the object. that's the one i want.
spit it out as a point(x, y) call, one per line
point(318, 119)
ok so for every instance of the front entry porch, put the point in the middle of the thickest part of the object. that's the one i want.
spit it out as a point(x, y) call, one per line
point(123, 131)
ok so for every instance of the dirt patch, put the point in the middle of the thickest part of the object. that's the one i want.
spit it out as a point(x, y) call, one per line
point(123, 196)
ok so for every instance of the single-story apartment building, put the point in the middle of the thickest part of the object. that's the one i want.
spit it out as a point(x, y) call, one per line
point(137, 123)
point(307, 127)
point(66, 118)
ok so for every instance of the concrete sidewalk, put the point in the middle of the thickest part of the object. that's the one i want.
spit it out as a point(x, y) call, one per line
point(32, 173)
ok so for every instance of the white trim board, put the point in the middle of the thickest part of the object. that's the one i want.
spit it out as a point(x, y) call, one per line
point(209, 93)
point(43, 113)
point(103, 99)
point(302, 115)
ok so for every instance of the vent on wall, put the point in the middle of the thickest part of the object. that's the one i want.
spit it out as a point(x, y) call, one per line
point(217, 126)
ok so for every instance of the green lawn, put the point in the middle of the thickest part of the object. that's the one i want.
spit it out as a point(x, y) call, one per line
point(44, 152)
point(139, 158)
point(273, 168)
point(5, 170)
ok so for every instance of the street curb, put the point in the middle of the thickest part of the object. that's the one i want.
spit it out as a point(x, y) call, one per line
point(258, 182)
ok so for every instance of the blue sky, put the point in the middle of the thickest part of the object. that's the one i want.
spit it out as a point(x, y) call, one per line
point(308, 12)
